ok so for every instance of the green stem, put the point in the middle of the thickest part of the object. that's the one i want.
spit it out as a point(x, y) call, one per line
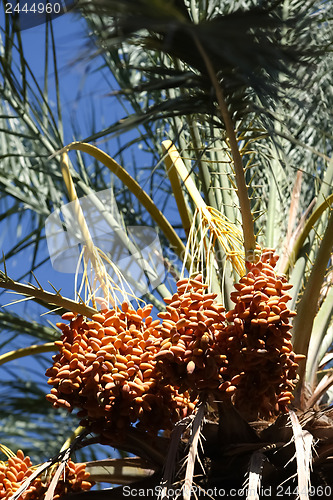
point(242, 192)
point(305, 233)
point(165, 226)
point(90, 251)
point(222, 183)
point(177, 192)
point(204, 174)
point(72, 438)
point(123, 237)
point(27, 351)
point(307, 308)
point(321, 338)
point(46, 297)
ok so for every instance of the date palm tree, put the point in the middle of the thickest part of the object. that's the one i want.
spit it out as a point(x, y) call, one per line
point(231, 100)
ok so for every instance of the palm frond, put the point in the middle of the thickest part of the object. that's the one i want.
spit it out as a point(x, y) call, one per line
point(20, 326)
point(248, 50)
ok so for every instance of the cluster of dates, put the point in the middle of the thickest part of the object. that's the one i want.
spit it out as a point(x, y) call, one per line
point(122, 367)
point(260, 325)
point(247, 358)
point(18, 469)
point(193, 345)
point(106, 367)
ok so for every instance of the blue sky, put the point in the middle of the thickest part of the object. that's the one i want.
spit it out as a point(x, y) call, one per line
point(85, 101)
point(85, 98)
point(81, 88)
point(84, 93)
